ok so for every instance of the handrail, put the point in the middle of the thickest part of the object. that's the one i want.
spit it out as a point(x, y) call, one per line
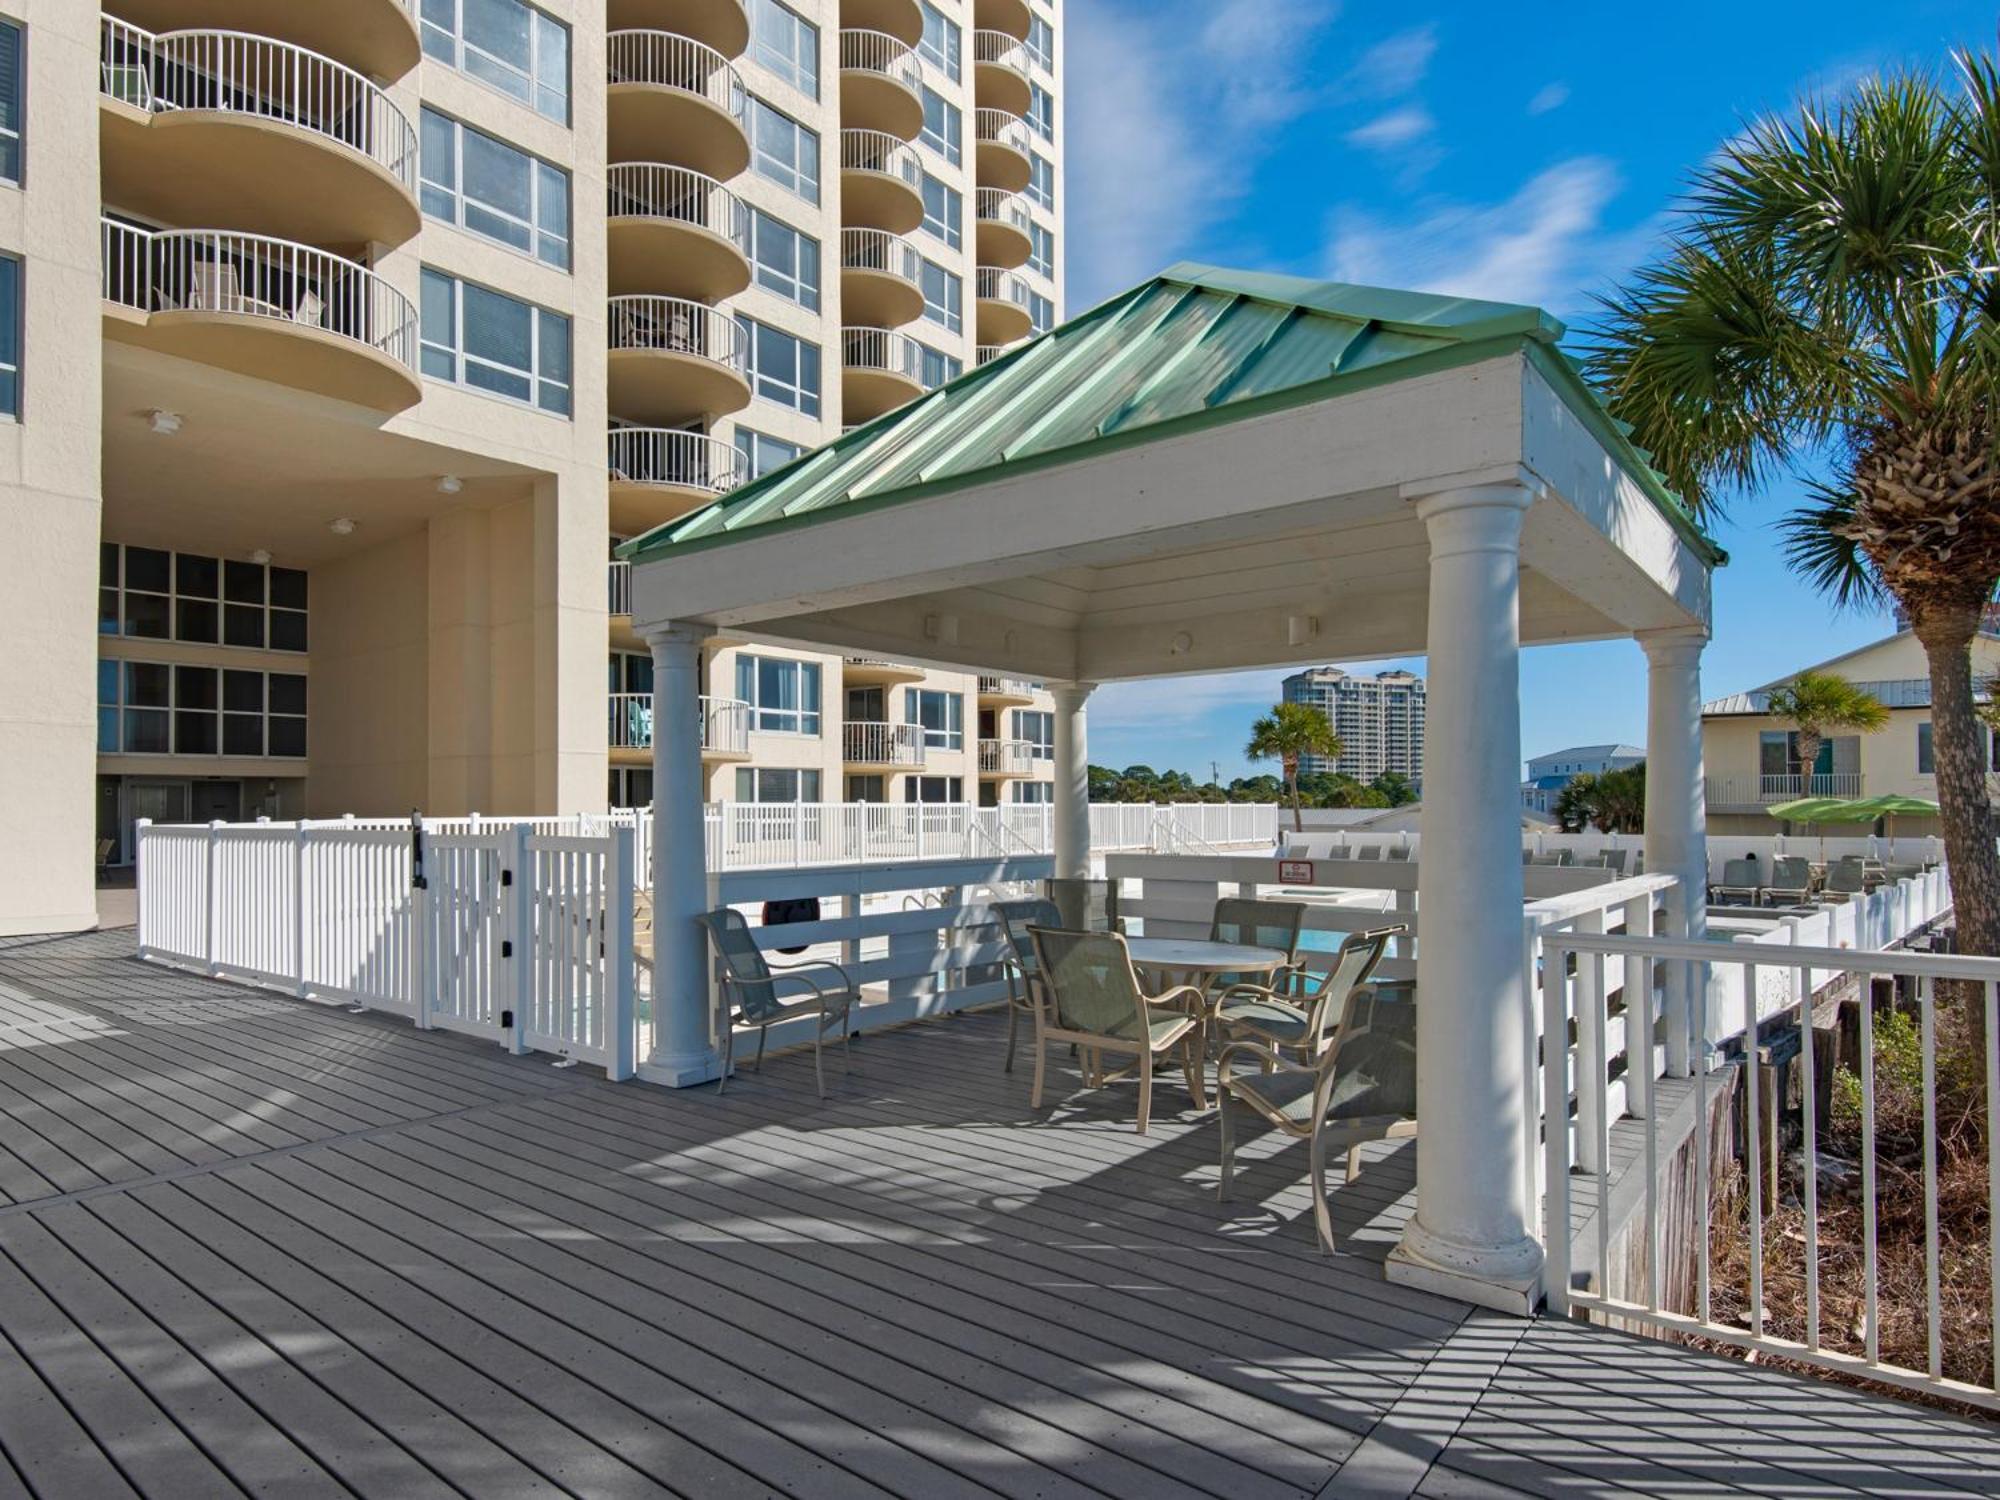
point(235, 72)
point(878, 743)
point(996, 285)
point(998, 127)
point(1000, 49)
point(666, 455)
point(879, 151)
point(674, 325)
point(994, 685)
point(865, 51)
point(998, 206)
point(880, 250)
point(1015, 756)
point(666, 60)
point(657, 190)
point(882, 349)
point(255, 275)
point(725, 725)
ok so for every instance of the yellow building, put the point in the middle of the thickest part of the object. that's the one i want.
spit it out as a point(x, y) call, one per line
point(1752, 757)
point(338, 340)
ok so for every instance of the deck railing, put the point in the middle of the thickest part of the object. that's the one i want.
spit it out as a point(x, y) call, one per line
point(666, 455)
point(664, 60)
point(725, 726)
point(674, 325)
point(870, 743)
point(1742, 791)
point(655, 190)
point(1007, 757)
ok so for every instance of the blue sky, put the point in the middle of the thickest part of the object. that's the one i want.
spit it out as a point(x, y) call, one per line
point(1463, 148)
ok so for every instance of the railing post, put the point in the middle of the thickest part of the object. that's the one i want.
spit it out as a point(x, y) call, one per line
point(299, 924)
point(139, 828)
point(1555, 1121)
point(520, 937)
point(423, 960)
point(621, 982)
point(212, 936)
point(1593, 1073)
point(1639, 1010)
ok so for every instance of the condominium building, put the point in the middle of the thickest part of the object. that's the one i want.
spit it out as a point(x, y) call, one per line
point(338, 340)
point(1380, 721)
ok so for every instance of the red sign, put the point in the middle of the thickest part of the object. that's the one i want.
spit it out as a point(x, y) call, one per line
point(1295, 872)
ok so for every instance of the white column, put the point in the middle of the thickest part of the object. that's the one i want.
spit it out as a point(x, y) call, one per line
point(1472, 1236)
point(1072, 793)
point(684, 1049)
point(1677, 809)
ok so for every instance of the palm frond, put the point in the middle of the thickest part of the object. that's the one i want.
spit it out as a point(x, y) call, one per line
point(1818, 542)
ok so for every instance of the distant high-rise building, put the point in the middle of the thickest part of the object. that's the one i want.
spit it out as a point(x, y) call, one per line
point(1380, 721)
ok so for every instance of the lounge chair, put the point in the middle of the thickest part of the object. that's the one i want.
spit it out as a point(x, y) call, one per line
point(1094, 1001)
point(1296, 1014)
point(1790, 883)
point(1739, 880)
point(1612, 859)
point(1553, 857)
point(750, 983)
point(1846, 879)
point(1397, 851)
point(1085, 905)
point(1362, 1088)
point(1369, 851)
point(1024, 972)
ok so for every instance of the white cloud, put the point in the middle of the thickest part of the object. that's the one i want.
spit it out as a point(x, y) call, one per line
point(1398, 128)
point(1549, 96)
point(1173, 704)
point(1394, 65)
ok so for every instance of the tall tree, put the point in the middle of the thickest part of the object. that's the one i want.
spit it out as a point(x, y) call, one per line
point(1288, 731)
point(1827, 305)
point(1816, 703)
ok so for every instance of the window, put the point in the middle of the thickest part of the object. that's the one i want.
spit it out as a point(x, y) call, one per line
point(631, 786)
point(783, 150)
point(785, 44)
point(937, 367)
point(1041, 312)
point(1042, 254)
point(151, 708)
point(10, 336)
point(939, 45)
point(783, 695)
point(776, 784)
point(1041, 181)
point(1041, 112)
point(865, 789)
point(933, 789)
point(511, 46)
point(944, 212)
point(487, 187)
point(492, 342)
point(784, 260)
point(1926, 759)
point(942, 716)
point(944, 296)
point(1038, 728)
point(10, 102)
point(782, 368)
point(944, 126)
point(763, 453)
point(1035, 791)
point(1041, 43)
point(181, 596)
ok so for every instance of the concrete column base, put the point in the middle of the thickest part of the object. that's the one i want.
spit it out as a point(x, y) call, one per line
point(681, 1071)
point(1515, 1292)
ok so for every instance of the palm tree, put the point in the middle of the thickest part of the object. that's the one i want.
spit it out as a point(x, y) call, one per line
point(1827, 299)
point(1576, 804)
point(1815, 702)
point(1287, 732)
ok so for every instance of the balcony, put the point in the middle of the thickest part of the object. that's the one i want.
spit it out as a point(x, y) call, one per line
point(1000, 758)
point(1000, 72)
point(880, 277)
point(724, 725)
point(1003, 150)
point(881, 83)
point(1001, 306)
point(1762, 791)
point(375, 37)
point(1003, 692)
point(659, 474)
point(1001, 229)
point(880, 371)
point(671, 97)
point(262, 307)
point(1010, 16)
point(221, 128)
point(618, 587)
point(676, 232)
point(987, 353)
point(899, 18)
point(873, 671)
point(721, 24)
point(875, 744)
point(881, 182)
point(674, 361)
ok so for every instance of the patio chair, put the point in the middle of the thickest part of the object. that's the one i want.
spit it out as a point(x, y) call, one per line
point(1553, 857)
point(1369, 851)
point(1085, 905)
point(1362, 1088)
point(1295, 1015)
point(1249, 923)
point(1790, 882)
point(1398, 851)
point(1024, 972)
point(1739, 879)
point(1094, 1001)
point(749, 984)
point(1846, 879)
point(1612, 859)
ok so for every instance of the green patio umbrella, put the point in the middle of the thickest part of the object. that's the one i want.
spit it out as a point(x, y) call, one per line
point(1821, 811)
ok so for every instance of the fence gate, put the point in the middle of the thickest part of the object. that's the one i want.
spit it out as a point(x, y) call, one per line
point(576, 934)
point(469, 899)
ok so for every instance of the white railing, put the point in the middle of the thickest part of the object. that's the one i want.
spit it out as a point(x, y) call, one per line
point(867, 743)
point(1745, 790)
point(665, 455)
point(880, 152)
point(618, 580)
point(877, 52)
point(999, 49)
point(511, 933)
point(253, 275)
point(996, 206)
point(989, 352)
point(630, 721)
point(654, 190)
point(996, 285)
point(674, 325)
point(1007, 757)
point(882, 351)
point(879, 250)
point(725, 726)
point(233, 72)
point(663, 60)
point(997, 127)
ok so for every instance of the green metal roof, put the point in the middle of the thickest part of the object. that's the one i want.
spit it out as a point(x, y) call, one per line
point(1194, 346)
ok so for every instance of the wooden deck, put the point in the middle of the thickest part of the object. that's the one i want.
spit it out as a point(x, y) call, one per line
point(250, 1245)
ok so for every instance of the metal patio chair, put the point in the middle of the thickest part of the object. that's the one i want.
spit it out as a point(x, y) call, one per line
point(1024, 968)
point(1094, 1001)
point(1297, 1016)
point(1249, 923)
point(749, 984)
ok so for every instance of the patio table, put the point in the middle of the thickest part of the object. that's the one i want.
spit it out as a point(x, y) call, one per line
point(1199, 956)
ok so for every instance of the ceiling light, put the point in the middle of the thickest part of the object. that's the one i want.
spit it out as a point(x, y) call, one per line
point(450, 484)
point(341, 527)
point(166, 423)
point(260, 556)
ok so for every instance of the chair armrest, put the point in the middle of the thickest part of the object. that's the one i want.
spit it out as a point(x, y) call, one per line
point(1270, 1060)
point(1178, 994)
point(806, 972)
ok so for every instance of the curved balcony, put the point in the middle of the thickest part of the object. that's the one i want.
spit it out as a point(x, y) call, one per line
point(725, 729)
point(659, 474)
point(673, 230)
point(721, 24)
point(1001, 305)
point(987, 353)
point(1002, 758)
point(878, 671)
point(223, 128)
point(903, 19)
point(375, 37)
point(1010, 16)
point(881, 181)
point(881, 369)
point(881, 278)
point(672, 97)
point(1000, 72)
point(263, 307)
point(1001, 228)
point(675, 361)
point(1004, 155)
point(873, 744)
point(1005, 692)
point(881, 84)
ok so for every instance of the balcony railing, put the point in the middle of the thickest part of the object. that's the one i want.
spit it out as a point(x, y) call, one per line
point(882, 351)
point(654, 190)
point(724, 726)
point(233, 72)
point(987, 353)
point(665, 60)
point(879, 151)
point(618, 586)
point(878, 744)
point(253, 275)
point(994, 206)
point(1005, 687)
point(995, 127)
point(1743, 791)
point(878, 52)
point(996, 285)
point(1007, 757)
point(664, 455)
point(879, 250)
point(1000, 50)
point(674, 325)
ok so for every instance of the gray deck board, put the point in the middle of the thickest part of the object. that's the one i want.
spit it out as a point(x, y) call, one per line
point(252, 1245)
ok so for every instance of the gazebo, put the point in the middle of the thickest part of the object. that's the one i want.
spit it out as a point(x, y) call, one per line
point(1220, 470)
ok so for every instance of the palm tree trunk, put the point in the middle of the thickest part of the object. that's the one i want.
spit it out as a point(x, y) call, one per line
point(1809, 743)
point(1292, 785)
